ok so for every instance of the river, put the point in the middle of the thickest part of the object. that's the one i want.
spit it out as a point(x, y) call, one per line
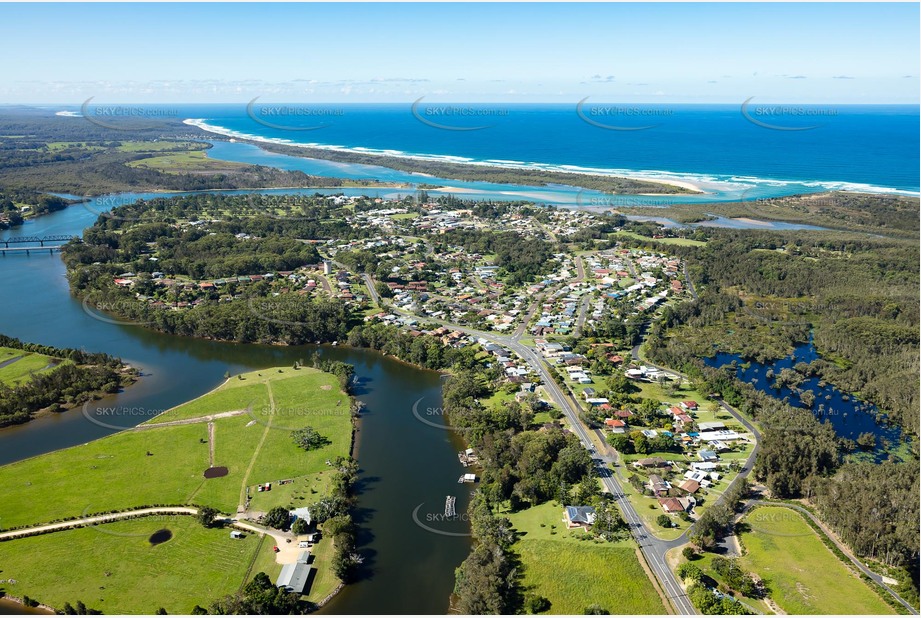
point(407, 467)
point(404, 463)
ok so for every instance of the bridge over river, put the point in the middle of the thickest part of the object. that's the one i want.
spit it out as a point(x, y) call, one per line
point(31, 244)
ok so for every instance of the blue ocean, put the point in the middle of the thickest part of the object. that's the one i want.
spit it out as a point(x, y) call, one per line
point(777, 149)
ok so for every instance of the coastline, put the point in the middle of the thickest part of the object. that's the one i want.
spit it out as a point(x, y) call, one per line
point(685, 186)
point(686, 181)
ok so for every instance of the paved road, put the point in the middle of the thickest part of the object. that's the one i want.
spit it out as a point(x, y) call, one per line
point(326, 286)
point(369, 283)
point(653, 549)
point(687, 280)
point(751, 503)
point(583, 311)
point(750, 461)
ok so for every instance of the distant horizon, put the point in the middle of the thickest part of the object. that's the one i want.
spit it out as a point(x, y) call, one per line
point(460, 102)
point(674, 53)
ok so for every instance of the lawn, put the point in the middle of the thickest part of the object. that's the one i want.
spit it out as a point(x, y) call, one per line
point(185, 162)
point(681, 242)
point(803, 575)
point(114, 568)
point(573, 572)
point(21, 370)
point(116, 472)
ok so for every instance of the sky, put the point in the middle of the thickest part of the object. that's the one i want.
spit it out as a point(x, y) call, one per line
point(355, 53)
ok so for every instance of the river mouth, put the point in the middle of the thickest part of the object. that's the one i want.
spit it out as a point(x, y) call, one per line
point(160, 536)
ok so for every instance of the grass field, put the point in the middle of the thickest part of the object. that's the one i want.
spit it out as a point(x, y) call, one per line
point(21, 370)
point(116, 472)
point(159, 146)
point(113, 567)
point(803, 575)
point(165, 465)
point(573, 572)
point(185, 162)
point(681, 242)
point(235, 394)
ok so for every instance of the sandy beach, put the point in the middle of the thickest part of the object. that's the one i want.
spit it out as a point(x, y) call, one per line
point(546, 167)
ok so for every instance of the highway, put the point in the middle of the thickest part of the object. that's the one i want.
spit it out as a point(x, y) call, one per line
point(653, 548)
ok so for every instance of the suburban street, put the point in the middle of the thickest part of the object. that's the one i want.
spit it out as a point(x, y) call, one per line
point(653, 548)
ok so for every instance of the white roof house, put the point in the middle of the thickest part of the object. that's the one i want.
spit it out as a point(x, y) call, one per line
point(302, 513)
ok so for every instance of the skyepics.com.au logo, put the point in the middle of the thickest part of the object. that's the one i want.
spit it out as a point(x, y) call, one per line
point(786, 312)
point(452, 117)
point(778, 521)
point(108, 416)
point(433, 416)
point(786, 207)
point(622, 117)
point(293, 116)
point(594, 199)
point(127, 117)
point(114, 207)
point(294, 418)
point(444, 522)
point(125, 312)
point(786, 117)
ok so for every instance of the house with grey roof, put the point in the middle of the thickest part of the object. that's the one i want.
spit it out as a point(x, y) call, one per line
point(579, 516)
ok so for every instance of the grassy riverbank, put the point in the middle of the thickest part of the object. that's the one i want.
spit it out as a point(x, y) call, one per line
point(247, 424)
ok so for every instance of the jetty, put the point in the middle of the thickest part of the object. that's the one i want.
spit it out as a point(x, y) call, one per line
point(468, 457)
point(467, 478)
point(449, 506)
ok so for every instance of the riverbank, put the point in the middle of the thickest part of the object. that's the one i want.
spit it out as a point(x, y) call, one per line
point(15, 606)
point(42, 380)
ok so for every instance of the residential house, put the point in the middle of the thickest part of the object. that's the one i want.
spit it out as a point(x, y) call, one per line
point(658, 485)
point(579, 516)
point(651, 462)
point(676, 505)
point(689, 486)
